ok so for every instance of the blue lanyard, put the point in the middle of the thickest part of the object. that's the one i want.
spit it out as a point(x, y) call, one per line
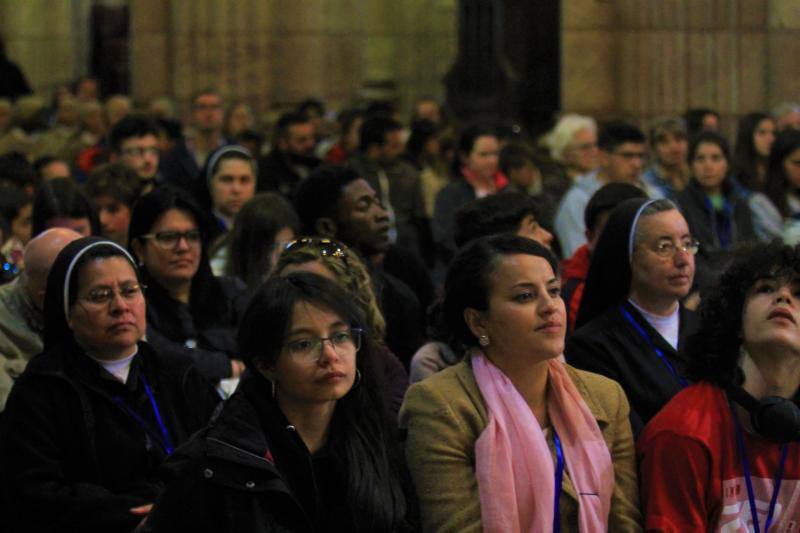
point(682, 382)
point(746, 467)
point(165, 441)
point(558, 480)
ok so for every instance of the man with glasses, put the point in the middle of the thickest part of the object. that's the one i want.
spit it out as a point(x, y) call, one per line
point(181, 165)
point(134, 143)
point(622, 158)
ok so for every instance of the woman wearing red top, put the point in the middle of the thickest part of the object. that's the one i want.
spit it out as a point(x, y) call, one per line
point(706, 462)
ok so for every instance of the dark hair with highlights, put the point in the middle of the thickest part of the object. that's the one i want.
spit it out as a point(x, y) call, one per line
point(468, 282)
point(361, 441)
point(712, 353)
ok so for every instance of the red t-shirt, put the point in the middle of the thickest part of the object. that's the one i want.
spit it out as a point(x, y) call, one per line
point(691, 475)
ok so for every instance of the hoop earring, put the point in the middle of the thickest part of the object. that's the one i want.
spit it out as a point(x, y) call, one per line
point(357, 382)
point(483, 340)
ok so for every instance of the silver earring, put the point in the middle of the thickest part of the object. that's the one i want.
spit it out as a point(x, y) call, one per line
point(357, 382)
point(272, 383)
point(483, 340)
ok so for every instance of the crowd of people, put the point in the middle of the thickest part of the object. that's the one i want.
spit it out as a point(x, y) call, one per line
point(356, 322)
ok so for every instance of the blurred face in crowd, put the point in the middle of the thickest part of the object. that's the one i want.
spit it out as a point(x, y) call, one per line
point(392, 146)
point(240, 119)
point(299, 139)
point(484, 158)
point(233, 184)
point(115, 217)
point(141, 154)
point(171, 251)
point(671, 150)
point(791, 165)
point(709, 167)
point(22, 224)
point(789, 121)
point(428, 109)
point(763, 137)
point(710, 122)
point(582, 153)
point(108, 330)
point(207, 113)
point(54, 170)
point(655, 272)
point(350, 137)
point(624, 163)
point(531, 229)
point(362, 222)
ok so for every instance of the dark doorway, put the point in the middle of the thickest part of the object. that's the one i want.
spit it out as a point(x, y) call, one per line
point(110, 54)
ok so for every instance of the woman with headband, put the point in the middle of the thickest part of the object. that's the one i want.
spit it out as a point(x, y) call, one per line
point(631, 323)
point(93, 417)
point(230, 175)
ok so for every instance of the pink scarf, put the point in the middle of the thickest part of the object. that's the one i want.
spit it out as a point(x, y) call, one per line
point(514, 466)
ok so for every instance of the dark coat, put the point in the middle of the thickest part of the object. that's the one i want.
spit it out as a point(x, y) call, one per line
point(250, 471)
point(705, 224)
point(174, 331)
point(611, 346)
point(283, 173)
point(73, 459)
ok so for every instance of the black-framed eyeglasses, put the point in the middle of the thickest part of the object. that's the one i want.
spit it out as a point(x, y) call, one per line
point(326, 247)
point(309, 350)
point(170, 239)
point(104, 295)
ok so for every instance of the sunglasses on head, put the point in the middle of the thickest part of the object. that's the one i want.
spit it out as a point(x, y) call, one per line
point(326, 247)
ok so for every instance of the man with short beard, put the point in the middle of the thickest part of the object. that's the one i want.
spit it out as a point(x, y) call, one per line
point(292, 158)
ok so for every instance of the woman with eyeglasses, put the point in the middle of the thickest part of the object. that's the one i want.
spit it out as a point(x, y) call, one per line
point(191, 313)
point(93, 417)
point(333, 260)
point(631, 324)
point(303, 443)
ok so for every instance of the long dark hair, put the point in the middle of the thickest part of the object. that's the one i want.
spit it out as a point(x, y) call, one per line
point(712, 353)
point(360, 437)
point(468, 282)
point(745, 157)
point(777, 185)
point(252, 238)
point(207, 300)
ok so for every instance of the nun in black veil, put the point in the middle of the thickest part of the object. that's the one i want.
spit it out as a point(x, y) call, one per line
point(94, 416)
point(631, 324)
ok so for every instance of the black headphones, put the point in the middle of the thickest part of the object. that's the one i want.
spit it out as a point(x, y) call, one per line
point(773, 417)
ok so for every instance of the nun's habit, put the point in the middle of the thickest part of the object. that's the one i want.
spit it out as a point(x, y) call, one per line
point(79, 448)
point(612, 338)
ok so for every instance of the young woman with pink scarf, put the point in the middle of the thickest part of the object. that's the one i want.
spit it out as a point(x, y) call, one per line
point(512, 439)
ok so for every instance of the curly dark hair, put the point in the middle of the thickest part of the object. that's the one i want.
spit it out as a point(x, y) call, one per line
point(712, 352)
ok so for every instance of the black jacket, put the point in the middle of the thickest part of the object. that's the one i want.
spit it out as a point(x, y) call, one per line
point(174, 331)
point(706, 225)
point(611, 346)
point(283, 173)
point(250, 471)
point(73, 458)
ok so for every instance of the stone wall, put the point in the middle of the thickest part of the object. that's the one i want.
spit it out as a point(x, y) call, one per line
point(642, 59)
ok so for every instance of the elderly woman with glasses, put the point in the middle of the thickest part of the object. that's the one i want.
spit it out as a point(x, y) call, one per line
point(302, 445)
point(91, 420)
point(333, 260)
point(191, 313)
point(631, 324)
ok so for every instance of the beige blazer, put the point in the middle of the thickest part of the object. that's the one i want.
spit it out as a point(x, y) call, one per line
point(445, 414)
